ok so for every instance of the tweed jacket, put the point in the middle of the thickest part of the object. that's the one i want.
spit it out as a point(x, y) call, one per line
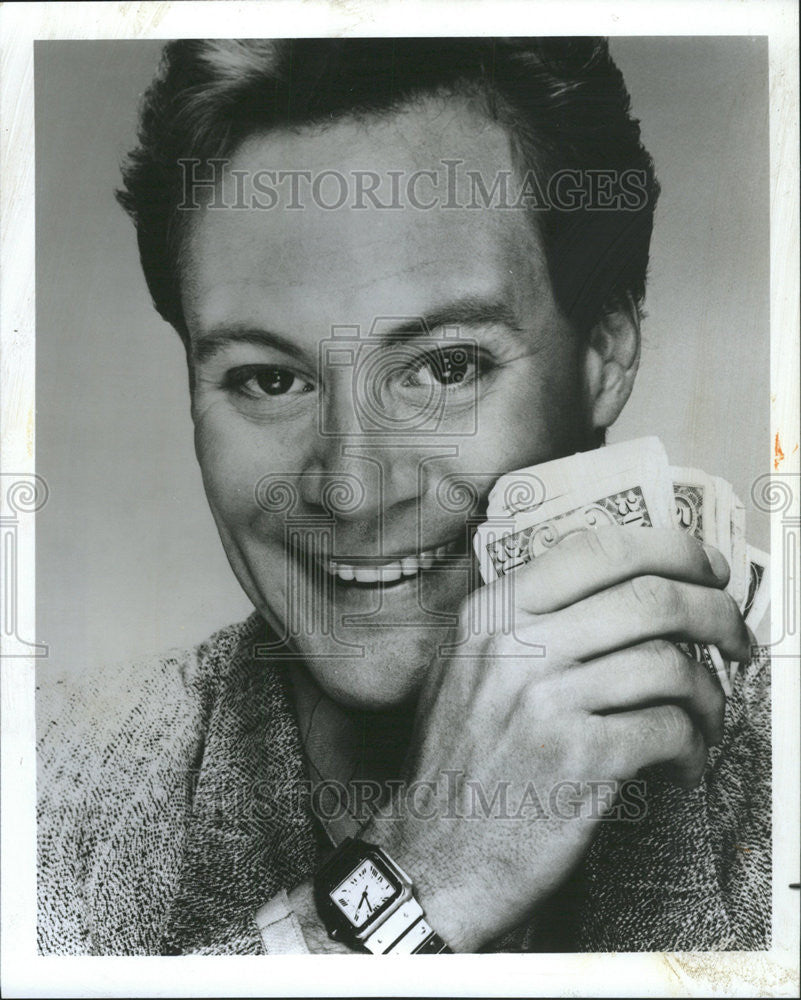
point(169, 811)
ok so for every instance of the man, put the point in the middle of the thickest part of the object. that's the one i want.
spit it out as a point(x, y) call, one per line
point(397, 266)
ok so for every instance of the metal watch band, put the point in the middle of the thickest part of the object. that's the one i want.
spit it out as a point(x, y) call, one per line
point(434, 945)
point(399, 937)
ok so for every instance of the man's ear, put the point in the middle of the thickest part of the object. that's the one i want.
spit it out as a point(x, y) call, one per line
point(611, 359)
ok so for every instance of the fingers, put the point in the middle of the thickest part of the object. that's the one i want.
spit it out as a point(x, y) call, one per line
point(588, 562)
point(661, 735)
point(641, 675)
point(644, 608)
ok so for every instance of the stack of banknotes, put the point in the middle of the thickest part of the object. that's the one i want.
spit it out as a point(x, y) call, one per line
point(631, 485)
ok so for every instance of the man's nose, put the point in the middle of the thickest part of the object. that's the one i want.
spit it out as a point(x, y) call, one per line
point(354, 472)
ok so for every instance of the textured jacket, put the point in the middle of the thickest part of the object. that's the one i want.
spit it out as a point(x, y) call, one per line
point(170, 810)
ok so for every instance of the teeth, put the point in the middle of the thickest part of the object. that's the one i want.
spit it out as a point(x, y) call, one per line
point(409, 566)
point(389, 572)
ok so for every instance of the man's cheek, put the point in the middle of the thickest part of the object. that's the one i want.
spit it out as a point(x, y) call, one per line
point(508, 438)
point(208, 423)
point(230, 468)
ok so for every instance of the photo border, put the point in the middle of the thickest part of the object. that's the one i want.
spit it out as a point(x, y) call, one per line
point(25, 973)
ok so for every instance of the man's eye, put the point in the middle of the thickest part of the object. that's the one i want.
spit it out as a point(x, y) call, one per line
point(448, 367)
point(266, 381)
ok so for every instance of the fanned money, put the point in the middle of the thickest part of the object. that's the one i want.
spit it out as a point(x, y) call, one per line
point(630, 485)
point(702, 506)
point(738, 584)
point(695, 506)
point(757, 587)
point(527, 490)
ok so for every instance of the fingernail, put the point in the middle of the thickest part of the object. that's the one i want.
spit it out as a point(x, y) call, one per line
point(717, 562)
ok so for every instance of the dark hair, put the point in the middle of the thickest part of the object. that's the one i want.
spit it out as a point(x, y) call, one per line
point(562, 100)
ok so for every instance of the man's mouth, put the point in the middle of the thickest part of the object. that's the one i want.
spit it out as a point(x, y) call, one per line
point(377, 570)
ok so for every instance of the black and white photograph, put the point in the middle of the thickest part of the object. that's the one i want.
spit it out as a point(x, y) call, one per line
point(400, 499)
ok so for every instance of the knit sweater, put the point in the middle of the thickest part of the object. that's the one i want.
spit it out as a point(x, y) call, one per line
point(171, 807)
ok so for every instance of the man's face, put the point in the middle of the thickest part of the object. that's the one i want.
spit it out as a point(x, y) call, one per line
point(397, 418)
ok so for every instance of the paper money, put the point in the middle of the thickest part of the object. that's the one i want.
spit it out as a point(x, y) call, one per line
point(708, 508)
point(695, 509)
point(703, 509)
point(503, 544)
point(532, 509)
point(758, 587)
point(529, 489)
point(738, 585)
point(630, 485)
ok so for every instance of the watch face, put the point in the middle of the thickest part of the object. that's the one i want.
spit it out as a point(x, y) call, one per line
point(364, 893)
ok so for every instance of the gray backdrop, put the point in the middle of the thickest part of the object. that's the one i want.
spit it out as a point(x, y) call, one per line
point(128, 559)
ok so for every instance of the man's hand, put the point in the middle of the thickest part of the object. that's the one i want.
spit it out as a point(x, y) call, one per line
point(587, 685)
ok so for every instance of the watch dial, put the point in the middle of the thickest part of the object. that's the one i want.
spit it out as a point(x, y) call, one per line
point(363, 893)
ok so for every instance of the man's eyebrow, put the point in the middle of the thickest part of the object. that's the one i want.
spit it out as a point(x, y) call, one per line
point(209, 344)
point(469, 311)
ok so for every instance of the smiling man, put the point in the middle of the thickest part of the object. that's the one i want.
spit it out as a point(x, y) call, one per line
point(400, 267)
point(261, 292)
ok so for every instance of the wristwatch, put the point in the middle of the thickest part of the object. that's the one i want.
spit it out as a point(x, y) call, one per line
point(366, 900)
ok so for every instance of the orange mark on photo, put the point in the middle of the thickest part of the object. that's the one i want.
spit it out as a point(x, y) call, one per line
point(777, 451)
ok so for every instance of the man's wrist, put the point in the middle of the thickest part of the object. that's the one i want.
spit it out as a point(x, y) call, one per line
point(279, 927)
point(429, 878)
point(429, 875)
point(314, 931)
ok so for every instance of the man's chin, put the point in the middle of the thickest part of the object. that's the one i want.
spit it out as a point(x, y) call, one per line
point(380, 669)
point(372, 647)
